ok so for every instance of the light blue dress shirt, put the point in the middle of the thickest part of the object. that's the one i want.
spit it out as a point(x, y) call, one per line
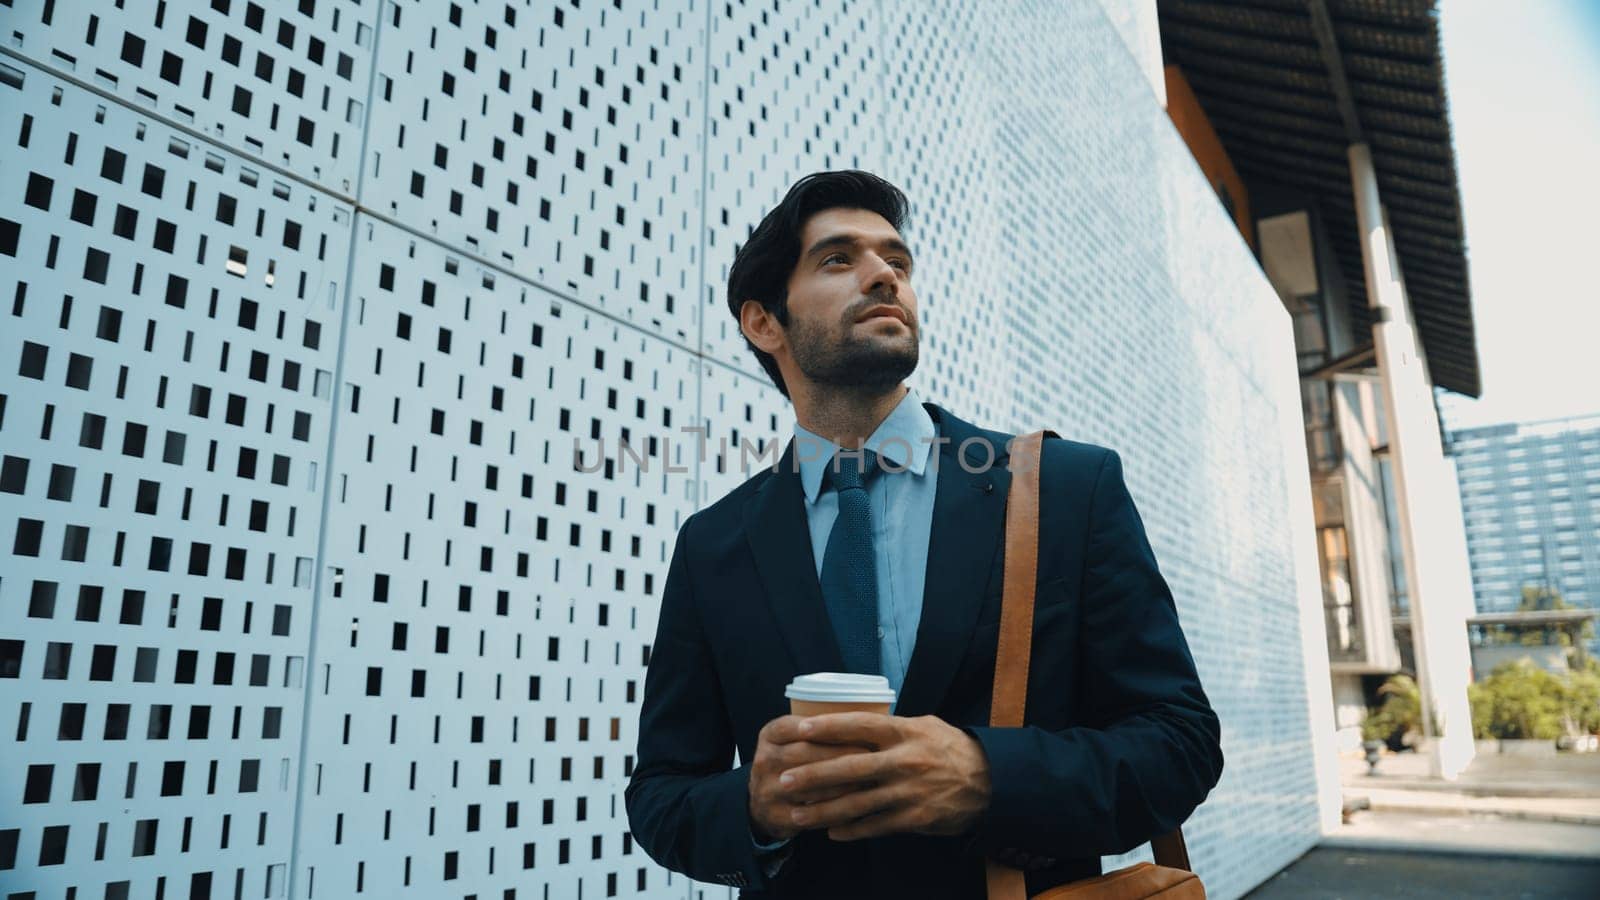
point(901, 498)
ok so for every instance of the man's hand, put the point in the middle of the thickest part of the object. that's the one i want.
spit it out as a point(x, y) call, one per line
point(923, 775)
point(778, 749)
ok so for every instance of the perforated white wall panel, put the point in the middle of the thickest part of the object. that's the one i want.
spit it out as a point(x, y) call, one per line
point(308, 306)
point(169, 351)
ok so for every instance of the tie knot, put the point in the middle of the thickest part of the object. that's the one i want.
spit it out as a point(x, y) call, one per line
point(852, 469)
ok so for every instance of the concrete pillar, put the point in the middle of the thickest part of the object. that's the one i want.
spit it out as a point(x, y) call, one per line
point(1433, 534)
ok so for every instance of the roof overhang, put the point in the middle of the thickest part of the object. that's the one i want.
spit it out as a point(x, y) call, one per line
point(1289, 85)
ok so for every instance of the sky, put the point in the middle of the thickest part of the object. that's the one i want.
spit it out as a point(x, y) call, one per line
point(1523, 82)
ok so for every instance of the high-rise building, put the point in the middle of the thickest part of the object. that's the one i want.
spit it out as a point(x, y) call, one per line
point(1530, 493)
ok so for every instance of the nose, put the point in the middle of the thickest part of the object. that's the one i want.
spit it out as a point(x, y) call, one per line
point(878, 276)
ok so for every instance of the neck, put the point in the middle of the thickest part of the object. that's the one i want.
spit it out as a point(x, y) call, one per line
point(846, 417)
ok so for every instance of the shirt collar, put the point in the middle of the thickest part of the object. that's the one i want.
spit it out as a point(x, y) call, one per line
point(904, 438)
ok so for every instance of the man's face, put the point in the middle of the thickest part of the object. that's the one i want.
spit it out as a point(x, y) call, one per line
point(852, 311)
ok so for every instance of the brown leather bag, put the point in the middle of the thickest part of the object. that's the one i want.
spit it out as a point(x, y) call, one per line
point(1169, 878)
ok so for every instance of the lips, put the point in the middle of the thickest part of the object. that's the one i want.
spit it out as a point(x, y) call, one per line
point(889, 312)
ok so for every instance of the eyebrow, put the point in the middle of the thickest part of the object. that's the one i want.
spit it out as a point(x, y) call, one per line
point(844, 240)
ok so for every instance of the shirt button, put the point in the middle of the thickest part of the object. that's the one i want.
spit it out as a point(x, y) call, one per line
point(880, 634)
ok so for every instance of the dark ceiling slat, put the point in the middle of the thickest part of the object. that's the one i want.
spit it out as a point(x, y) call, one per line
point(1438, 318)
point(1274, 51)
point(1269, 97)
point(1274, 108)
point(1373, 100)
point(1401, 14)
point(1438, 269)
point(1407, 223)
point(1402, 100)
point(1442, 313)
point(1438, 289)
point(1375, 70)
point(1378, 41)
point(1315, 83)
point(1241, 20)
point(1429, 152)
point(1433, 277)
point(1244, 117)
point(1418, 125)
point(1418, 189)
point(1288, 142)
point(1406, 239)
point(1417, 206)
point(1404, 165)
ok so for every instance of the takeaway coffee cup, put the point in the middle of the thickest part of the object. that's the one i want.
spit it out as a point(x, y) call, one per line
point(831, 692)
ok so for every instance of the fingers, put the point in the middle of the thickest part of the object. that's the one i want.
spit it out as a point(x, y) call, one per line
point(771, 801)
point(896, 820)
point(834, 793)
point(782, 758)
point(882, 804)
point(873, 730)
point(782, 730)
point(816, 781)
point(800, 754)
point(790, 757)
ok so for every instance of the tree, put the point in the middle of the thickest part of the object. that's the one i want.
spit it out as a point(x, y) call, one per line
point(1543, 598)
point(1400, 713)
point(1520, 700)
point(1582, 699)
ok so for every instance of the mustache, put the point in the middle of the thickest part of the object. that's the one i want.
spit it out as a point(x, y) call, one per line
point(854, 313)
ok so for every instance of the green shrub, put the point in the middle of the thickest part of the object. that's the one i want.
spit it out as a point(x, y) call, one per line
point(1583, 699)
point(1401, 710)
point(1520, 700)
point(1481, 699)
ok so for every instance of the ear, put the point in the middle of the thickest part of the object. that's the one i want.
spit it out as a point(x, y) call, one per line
point(761, 327)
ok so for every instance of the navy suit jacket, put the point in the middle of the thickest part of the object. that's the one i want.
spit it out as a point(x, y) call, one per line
point(1119, 743)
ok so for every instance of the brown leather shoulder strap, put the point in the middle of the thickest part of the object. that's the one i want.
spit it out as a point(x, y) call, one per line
point(1016, 610)
point(1170, 850)
point(1018, 584)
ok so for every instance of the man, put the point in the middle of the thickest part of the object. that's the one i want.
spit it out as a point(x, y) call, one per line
point(895, 570)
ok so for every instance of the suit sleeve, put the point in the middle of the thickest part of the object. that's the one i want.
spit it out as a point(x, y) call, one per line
point(686, 807)
point(1149, 749)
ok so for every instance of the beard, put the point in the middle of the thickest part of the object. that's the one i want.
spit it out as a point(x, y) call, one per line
point(840, 357)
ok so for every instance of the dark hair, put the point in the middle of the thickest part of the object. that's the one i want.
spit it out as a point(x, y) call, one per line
point(761, 267)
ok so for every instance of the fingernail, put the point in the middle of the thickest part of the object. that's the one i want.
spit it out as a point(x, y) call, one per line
point(805, 727)
point(798, 816)
point(786, 780)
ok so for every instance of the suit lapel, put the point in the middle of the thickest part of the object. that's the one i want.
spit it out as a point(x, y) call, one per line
point(968, 519)
point(780, 540)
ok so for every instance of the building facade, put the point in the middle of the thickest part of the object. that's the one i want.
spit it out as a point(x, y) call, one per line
point(1531, 495)
point(309, 584)
point(1325, 129)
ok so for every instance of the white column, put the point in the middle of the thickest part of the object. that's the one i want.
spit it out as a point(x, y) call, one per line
point(1429, 510)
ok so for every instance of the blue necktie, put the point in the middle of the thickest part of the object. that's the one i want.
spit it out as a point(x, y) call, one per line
point(849, 567)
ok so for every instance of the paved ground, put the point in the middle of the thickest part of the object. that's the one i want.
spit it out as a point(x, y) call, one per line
point(1487, 835)
point(1489, 774)
point(1563, 788)
point(1332, 873)
point(1510, 826)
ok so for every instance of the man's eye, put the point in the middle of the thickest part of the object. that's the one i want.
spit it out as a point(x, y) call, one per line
point(899, 262)
point(836, 256)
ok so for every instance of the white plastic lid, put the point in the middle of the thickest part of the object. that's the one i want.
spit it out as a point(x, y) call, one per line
point(840, 687)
